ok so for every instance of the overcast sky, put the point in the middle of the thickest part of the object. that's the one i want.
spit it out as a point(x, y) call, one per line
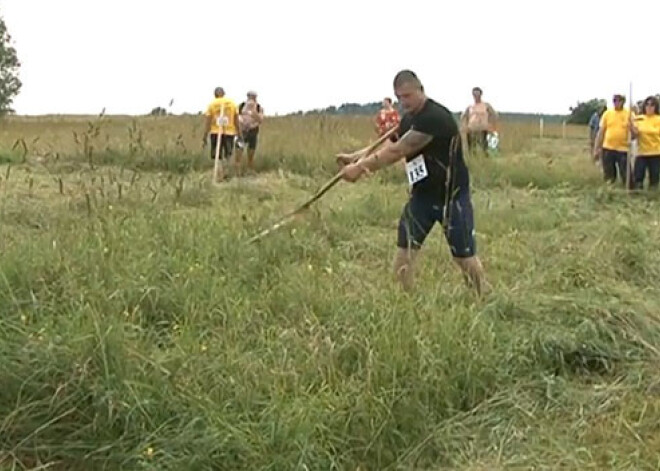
point(129, 56)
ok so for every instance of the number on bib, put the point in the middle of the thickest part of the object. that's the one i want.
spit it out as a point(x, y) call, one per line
point(416, 170)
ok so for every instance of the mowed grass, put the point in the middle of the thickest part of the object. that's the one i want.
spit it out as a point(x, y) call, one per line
point(140, 330)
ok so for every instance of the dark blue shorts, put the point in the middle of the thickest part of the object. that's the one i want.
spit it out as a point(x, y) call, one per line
point(422, 211)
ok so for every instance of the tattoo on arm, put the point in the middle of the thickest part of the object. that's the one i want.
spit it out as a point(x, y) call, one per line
point(413, 142)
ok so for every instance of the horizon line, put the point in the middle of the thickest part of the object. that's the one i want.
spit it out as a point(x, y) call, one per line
point(274, 115)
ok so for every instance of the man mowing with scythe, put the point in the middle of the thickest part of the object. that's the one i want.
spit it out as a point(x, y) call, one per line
point(440, 188)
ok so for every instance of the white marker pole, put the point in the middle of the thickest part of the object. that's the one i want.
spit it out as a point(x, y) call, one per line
point(541, 127)
point(632, 145)
point(563, 130)
point(220, 123)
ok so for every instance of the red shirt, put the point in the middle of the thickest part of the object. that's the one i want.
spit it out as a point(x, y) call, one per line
point(386, 120)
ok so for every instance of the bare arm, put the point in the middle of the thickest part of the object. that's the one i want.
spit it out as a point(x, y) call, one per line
point(632, 127)
point(411, 143)
point(237, 123)
point(600, 137)
point(464, 121)
point(464, 117)
point(493, 116)
point(207, 127)
point(350, 158)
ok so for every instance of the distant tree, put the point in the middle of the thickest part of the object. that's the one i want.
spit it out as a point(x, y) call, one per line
point(10, 85)
point(370, 109)
point(581, 113)
point(357, 109)
point(158, 111)
point(349, 109)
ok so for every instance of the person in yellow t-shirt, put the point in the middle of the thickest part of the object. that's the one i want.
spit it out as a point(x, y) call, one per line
point(647, 129)
point(221, 118)
point(612, 141)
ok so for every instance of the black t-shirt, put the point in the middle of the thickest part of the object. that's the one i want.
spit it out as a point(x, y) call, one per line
point(437, 121)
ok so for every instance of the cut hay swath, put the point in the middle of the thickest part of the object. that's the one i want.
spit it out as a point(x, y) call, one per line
point(324, 189)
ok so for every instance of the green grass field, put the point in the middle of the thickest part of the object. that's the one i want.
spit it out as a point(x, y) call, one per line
point(140, 331)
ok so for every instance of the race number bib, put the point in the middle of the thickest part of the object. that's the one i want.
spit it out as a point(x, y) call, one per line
point(222, 121)
point(416, 170)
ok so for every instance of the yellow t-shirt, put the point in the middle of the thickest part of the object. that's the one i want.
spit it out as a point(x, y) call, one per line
point(223, 112)
point(649, 134)
point(616, 132)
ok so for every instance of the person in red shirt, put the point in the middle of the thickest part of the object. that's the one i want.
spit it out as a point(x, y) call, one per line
point(387, 117)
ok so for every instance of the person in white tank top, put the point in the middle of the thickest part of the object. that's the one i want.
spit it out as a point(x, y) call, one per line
point(477, 121)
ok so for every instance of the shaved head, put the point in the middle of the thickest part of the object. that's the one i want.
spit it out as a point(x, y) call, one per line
point(407, 77)
point(409, 91)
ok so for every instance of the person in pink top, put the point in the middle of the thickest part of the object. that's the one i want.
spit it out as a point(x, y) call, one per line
point(477, 121)
point(387, 118)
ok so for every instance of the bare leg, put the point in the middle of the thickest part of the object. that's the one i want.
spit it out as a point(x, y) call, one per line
point(250, 159)
point(474, 274)
point(220, 174)
point(404, 267)
point(220, 170)
point(238, 158)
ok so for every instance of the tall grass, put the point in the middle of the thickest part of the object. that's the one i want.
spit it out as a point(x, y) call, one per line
point(173, 143)
point(140, 330)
